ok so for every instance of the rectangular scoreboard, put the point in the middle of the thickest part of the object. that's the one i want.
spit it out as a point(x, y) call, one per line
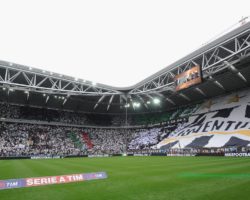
point(188, 78)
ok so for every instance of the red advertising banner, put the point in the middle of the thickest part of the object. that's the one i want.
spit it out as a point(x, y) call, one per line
point(188, 78)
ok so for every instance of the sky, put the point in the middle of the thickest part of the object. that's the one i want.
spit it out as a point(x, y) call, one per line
point(114, 42)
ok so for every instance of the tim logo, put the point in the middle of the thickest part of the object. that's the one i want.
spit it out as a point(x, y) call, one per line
point(98, 175)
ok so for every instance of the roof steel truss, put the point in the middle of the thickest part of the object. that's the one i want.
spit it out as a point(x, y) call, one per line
point(211, 61)
point(32, 81)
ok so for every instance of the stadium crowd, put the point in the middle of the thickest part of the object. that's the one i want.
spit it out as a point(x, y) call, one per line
point(39, 114)
point(9, 111)
point(33, 140)
point(26, 139)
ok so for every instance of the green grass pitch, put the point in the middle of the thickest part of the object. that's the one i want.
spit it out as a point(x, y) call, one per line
point(132, 178)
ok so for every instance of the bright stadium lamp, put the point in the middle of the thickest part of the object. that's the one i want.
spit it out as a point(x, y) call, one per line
point(136, 104)
point(148, 102)
point(156, 101)
point(127, 105)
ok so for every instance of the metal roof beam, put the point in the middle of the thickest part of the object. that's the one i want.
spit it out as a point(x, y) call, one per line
point(200, 91)
point(170, 101)
point(228, 50)
point(99, 101)
point(110, 101)
point(184, 96)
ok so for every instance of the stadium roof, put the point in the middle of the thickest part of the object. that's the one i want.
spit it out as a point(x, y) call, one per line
point(224, 63)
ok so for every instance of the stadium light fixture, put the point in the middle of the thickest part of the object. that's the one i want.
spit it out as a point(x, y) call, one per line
point(156, 101)
point(30, 68)
point(44, 95)
point(4, 88)
point(93, 83)
point(11, 90)
point(127, 105)
point(136, 104)
point(148, 102)
point(26, 92)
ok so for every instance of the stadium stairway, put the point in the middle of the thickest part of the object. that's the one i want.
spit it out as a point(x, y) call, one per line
point(87, 140)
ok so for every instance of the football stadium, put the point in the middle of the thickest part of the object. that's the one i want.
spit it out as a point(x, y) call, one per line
point(181, 133)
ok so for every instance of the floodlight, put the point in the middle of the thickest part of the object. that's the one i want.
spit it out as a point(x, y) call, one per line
point(127, 105)
point(156, 101)
point(136, 104)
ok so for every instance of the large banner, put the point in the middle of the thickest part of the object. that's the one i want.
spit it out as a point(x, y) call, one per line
point(49, 180)
point(220, 122)
point(188, 78)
